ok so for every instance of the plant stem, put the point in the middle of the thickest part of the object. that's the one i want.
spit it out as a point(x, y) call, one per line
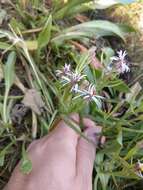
point(5, 106)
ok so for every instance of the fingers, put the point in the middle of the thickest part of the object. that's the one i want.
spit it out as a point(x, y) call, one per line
point(65, 132)
point(86, 152)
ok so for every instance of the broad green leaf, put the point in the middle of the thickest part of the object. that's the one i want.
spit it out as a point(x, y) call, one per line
point(100, 25)
point(9, 73)
point(89, 29)
point(45, 34)
point(59, 39)
point(126, 28)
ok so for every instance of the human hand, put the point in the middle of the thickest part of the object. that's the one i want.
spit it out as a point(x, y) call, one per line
point(61, 160)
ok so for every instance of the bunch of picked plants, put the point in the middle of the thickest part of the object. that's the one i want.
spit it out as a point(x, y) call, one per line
point(58, 59)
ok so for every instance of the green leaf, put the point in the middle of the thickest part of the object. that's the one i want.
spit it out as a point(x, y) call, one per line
point(9, 73)
point(70, 8)
point(5, 46)
point(104, 179)
point(122, 87)
point(89, 29)
point(26, 164)
point(45, 34)
point(3, 153)
point(132, 152)
point(83, 61)
point(108, 52)
point(18, 26)
point(113, 147)
point(120, 137)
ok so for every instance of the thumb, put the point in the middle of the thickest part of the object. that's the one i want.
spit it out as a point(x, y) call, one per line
point(86, 154)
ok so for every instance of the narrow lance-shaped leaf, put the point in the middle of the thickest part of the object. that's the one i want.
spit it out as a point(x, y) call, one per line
point(98, 24)
point(9, 73)
point(9, 76)
point(45, 34)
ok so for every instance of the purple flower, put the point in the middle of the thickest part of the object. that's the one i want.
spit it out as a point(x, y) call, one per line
point(89, 94)
point(72, 79)
point(139, 168)
point(120, 62)
point(66, 70)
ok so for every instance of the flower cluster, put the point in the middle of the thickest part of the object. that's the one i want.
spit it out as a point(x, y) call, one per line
point(67, 76)
point(119, 63)
point(74, 80)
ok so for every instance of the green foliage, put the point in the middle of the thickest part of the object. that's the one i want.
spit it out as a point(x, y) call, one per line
point(44, 36)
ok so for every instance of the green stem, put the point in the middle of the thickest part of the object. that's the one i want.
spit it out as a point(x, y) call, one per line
point(5, 106)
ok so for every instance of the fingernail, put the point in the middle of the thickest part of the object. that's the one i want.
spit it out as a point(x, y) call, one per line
point(102, 140)
point(92, 135)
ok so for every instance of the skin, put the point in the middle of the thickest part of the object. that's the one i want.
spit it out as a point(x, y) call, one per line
point(61, 160)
